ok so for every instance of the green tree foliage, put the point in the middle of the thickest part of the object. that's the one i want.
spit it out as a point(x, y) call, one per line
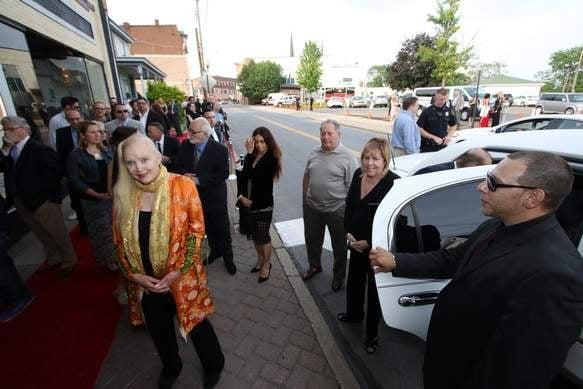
point(309, 70)
point(257, 80)
point(159, 89)
point(409, 70)
point(563, 68)
point(378, 75)
point(446, 54)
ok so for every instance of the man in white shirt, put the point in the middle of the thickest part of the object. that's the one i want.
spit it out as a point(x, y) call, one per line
point(166, 145)
point(122, 118)
point(59, 120)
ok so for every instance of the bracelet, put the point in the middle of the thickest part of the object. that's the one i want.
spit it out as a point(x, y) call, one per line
point(394, 262)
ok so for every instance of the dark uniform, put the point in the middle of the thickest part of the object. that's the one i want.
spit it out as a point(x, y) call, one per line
point(435, 121)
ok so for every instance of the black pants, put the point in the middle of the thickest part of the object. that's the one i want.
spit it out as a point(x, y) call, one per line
point(358, 271)
point(218, 230)
point(76, 205)
point(159, 311)
point(12, 289)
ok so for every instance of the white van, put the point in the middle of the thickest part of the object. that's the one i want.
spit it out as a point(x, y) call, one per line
point(424, 96)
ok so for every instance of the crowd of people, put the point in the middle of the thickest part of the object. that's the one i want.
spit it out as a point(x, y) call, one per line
point(150, 199)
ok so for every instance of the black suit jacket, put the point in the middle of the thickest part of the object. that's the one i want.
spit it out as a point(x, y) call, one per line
point(510, 314)
point(212, 171)
point(64, 144)
point(36, 176)
point(154, 117)
point(170, 150)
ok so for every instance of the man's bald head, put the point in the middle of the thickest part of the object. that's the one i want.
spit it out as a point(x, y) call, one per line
point(474, 157)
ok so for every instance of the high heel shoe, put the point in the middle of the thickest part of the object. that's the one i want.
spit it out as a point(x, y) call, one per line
point(263, 279)
point(255, 269)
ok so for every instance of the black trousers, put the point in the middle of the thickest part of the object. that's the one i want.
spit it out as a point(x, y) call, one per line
point(12, 289)
point(76, 205)
point(361, 277)
point(159, 311)
point(218, 230)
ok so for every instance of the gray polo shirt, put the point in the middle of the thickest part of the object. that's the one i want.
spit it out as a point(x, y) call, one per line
point(329, 177)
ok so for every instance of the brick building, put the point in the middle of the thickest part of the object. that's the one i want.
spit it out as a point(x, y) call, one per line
point(164, 45)
point(224, 89)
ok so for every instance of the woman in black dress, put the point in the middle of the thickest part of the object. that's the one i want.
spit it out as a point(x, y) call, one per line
point(262, 166)
point(369, 186)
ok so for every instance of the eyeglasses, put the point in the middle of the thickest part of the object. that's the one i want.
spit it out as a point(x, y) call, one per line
point(125, 110)
point(493, 184)
point(76, 107)
point(209, 117)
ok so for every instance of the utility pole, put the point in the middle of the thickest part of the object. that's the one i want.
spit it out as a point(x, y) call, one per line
point(198, 33)
point(577, 70)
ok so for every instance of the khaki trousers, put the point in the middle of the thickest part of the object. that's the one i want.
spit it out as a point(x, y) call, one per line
point(398, 152)
point(48, 224)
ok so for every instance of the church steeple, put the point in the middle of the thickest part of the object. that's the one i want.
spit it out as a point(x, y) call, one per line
point(291, 45)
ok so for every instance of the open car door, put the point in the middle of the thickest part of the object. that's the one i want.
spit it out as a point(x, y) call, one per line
point(423, 213)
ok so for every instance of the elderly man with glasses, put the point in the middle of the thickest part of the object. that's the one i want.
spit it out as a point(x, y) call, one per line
point(122, 119)
point(514, 305)
point(206, 162)
point(32, 176)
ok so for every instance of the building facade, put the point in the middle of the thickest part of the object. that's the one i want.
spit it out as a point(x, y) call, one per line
point(515, 86)
point(165, 47)
point(224, 88)
point(52, 49)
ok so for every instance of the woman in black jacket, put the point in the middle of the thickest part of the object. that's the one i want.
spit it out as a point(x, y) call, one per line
point(369, 186)
point(262, 166)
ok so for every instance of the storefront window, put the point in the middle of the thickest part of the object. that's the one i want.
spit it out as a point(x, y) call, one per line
point(97, 80)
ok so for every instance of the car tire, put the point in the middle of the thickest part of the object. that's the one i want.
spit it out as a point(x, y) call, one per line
point(569, 111)
point(538, 110)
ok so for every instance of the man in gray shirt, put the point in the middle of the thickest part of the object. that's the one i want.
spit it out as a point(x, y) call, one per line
point(326, 181)
point(121, 114)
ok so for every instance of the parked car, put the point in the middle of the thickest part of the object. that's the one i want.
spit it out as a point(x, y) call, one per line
point(359, 102)
point(285, 100)
point(380, 101)
point(526, 101)
point(335, 102)
point(424, 96)
point(508, 98)
point(406, 303)
point(538, 122)
point(568, 103)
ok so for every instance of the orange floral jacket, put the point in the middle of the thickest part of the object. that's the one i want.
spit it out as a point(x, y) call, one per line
point(191, 293)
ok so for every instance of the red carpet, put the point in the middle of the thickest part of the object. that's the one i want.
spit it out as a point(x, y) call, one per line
point(63, 337)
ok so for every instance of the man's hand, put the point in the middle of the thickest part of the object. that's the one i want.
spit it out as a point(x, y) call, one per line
point(245, 201)
point(382, 260)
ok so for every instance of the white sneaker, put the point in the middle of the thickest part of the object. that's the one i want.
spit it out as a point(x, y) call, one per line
point(72, 216)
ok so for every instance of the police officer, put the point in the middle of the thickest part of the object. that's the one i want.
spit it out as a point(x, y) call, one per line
point(434, 121)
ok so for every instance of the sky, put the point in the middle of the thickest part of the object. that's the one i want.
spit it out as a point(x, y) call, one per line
point(522, 34)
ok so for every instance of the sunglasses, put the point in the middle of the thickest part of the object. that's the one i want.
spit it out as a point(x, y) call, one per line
point(493, 184)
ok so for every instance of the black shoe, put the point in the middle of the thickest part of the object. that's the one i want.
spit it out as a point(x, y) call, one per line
point(263, 279)
point(166, 381)
point(347, 318)
point(337, 285)
point(231, 268)
point(211, 380)
point(255, 269)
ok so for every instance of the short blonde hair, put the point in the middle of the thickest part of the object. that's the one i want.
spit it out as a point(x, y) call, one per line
point(381, 145)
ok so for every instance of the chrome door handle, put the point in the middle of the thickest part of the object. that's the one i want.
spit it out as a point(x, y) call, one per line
point(418, 299)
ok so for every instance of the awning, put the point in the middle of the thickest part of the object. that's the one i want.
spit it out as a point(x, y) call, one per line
point(136, 65)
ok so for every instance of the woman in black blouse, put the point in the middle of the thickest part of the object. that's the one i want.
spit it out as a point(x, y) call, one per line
point(369, 186)
point(262, 166)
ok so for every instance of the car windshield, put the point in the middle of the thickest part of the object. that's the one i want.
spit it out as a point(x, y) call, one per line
point(472, 91)
point(576, 98)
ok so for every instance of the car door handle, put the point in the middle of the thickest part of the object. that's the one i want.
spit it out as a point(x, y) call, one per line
point(418, 299)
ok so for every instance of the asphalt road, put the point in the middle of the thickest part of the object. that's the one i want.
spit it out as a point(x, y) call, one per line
point(397, 364)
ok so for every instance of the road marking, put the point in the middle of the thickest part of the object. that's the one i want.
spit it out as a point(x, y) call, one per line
point(300, 132)
point(291, 233)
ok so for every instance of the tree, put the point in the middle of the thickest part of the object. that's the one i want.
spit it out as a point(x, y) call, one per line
point(446, 54)
point(161, 90)
point(409, 70)
point(564, 70)
point(309, 70)
point(257, 80)
point(378, 76)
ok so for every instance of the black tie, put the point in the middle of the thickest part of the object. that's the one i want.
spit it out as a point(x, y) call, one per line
point(196, 156)
point(159, 147)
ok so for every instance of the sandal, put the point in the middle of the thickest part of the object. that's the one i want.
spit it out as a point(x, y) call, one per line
point(347, 318)
point(371, 345)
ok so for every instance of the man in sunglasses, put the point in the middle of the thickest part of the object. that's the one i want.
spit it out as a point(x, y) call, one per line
point(59, 120)
point(122, 118)
point(514, 305)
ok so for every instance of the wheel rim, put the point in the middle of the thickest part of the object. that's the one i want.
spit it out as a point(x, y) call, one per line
point(569, 111)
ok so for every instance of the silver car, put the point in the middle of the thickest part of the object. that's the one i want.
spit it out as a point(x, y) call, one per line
point(568, 103)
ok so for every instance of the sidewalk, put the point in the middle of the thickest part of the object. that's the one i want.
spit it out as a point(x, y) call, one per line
point(272, 334)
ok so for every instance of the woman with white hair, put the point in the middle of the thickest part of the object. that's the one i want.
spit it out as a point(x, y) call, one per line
point(158, 230)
